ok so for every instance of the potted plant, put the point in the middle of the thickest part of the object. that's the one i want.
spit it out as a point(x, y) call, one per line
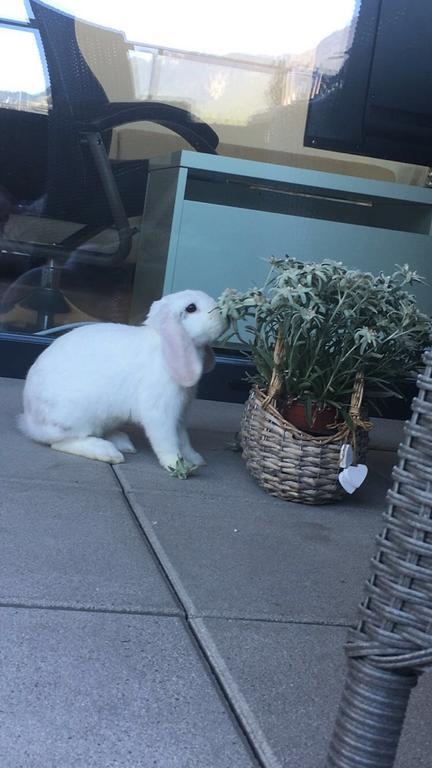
point(324, 340)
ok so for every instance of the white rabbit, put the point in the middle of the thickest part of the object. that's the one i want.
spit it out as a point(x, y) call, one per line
point(94, 378)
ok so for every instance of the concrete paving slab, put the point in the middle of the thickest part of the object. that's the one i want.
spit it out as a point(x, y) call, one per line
point(415, 747)
point(285, 679)
point(210, 414)
point(386, 434)
point(77, 548)
point(286, 682)
point(264, 559)
point(204, 440)
point(24, 459)
point(86, 690)
point(225, 476)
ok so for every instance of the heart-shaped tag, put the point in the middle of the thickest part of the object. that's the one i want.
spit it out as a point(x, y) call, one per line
point(352, 477)
point(346, 456)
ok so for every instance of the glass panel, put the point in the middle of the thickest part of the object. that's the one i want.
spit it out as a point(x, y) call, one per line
point(14, 10)
point(250, 79)
point(74, 246)
point(22, 79)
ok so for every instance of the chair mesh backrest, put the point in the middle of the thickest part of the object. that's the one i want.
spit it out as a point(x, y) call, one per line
point(76, 95)
point(74, 88)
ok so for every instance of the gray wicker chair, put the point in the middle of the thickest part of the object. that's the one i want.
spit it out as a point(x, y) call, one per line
point(392, 643)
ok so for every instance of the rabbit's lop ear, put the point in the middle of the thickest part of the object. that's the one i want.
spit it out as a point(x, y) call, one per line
point(184, 362)
point(209, 359)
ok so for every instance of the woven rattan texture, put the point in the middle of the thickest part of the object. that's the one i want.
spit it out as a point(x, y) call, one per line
point(392, 643)
point(288, 463)
point(395, 630)
point(370, 717)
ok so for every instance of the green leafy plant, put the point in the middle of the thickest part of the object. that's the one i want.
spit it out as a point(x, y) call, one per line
point(334, 322)
point(182, 469)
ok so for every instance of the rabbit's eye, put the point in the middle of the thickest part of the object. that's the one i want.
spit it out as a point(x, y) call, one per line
point(191, 308)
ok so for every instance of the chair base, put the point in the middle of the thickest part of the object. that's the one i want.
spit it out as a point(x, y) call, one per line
point(370, 717)
point(42, 309)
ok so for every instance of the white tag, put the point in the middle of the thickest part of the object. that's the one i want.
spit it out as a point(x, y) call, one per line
point(346, 456)
point(352, 477)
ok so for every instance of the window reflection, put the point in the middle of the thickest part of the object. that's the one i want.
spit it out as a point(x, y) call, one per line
point(22, 79)
point(15, 10)
point(243, 76)
point(281, 27)
point(69, 248)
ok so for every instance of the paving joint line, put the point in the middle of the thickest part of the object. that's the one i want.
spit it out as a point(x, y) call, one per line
point(260, 754)
point(85, 609)
point(190, 617)
point(270, 620)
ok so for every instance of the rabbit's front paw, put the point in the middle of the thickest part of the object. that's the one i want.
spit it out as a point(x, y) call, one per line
point(193, 457)
point(168, 462)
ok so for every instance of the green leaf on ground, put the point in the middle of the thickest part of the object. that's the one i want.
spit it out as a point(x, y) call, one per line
point(182, 469)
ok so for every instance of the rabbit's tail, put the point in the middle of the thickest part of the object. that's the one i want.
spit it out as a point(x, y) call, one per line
point(42, 431)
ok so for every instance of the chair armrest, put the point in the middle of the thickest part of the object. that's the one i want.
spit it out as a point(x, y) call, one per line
point(198, 134)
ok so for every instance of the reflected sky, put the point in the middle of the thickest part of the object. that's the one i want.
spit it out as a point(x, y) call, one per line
point(272, 29)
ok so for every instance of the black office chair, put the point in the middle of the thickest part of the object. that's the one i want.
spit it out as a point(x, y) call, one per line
point(83, 185)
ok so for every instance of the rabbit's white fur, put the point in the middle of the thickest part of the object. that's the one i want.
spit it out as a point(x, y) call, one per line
point(95, 378)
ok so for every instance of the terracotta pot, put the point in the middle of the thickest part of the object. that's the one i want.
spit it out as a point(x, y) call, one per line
point(295, 413)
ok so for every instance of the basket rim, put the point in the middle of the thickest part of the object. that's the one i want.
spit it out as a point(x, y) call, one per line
point(343, 433)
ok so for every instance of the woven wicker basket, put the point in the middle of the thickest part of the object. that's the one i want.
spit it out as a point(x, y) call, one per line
point(292, 464)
